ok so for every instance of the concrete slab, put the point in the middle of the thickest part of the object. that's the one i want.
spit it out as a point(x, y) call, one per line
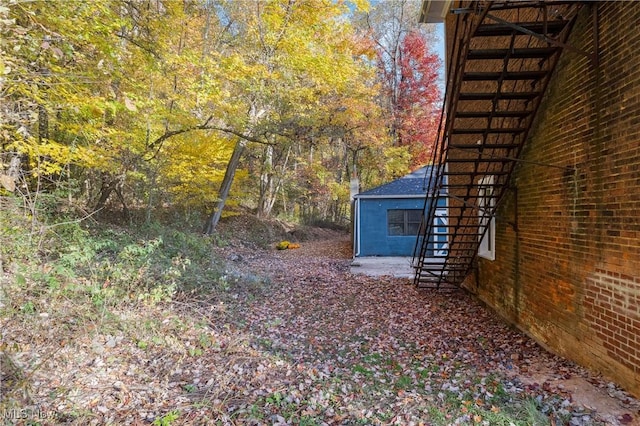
point(377, 266)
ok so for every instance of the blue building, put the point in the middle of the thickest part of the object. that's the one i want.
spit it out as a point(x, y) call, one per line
point(387, 218)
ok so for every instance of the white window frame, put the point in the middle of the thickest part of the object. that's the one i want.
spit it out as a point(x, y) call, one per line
point(405, 223)
point(440, 241)
point(487, 204)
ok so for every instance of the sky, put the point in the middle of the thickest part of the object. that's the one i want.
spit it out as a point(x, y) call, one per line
point(439, 49)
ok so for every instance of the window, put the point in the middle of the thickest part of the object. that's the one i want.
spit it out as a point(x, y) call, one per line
point(486, 218)
point(403, 222)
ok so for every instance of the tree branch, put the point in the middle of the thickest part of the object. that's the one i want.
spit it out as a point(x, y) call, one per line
point(138, 44)
point(158, 142)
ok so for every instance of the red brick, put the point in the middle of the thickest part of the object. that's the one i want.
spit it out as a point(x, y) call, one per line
point(578, 269)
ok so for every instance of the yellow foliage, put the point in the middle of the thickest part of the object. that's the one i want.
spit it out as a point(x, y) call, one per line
point(362, 5)
point(193, 167)
point(48, 157)
point(283, 245)
point(147, 109)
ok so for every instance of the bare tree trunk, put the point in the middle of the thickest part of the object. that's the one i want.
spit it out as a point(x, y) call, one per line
point(15, 167)
point(266, 182)
point(225, 187)
point(107, 186)
point(43, 124)
point(125, 209)
point(229, 174)
point(271, 182)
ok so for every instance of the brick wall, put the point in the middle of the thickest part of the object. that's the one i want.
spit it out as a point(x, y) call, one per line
point(567, 267)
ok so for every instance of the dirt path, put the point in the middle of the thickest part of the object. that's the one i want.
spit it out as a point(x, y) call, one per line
point(405, 355)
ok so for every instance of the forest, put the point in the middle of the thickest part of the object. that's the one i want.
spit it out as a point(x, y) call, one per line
point(195, 109)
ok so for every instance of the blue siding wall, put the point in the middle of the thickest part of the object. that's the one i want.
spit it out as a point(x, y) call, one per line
point(374, 238)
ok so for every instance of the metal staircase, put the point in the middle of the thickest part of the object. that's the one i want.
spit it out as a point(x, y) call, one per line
point(500, 63)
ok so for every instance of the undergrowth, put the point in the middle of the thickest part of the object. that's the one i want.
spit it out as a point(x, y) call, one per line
point(81, 276)
point(115, 266)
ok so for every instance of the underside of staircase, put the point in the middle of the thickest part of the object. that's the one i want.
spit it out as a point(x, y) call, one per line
point(501, 56)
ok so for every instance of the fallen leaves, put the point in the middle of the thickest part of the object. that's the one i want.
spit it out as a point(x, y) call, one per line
point(295, 339)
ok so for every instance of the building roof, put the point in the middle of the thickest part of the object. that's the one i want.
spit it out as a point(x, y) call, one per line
point(413, 185)
point(434, 11)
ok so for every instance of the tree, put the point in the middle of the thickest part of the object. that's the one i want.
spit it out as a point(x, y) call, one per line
point(408, 74)
point(293, 58)
point(56, 100)
point(159, 103)
point(105, 93)
point(417, 108)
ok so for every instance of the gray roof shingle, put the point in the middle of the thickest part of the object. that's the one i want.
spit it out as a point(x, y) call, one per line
point(412, 185)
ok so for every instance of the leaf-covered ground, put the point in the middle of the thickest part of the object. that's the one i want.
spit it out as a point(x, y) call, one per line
point(292, 337)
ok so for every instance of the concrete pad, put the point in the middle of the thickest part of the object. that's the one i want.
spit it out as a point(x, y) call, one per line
point(377, 266)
